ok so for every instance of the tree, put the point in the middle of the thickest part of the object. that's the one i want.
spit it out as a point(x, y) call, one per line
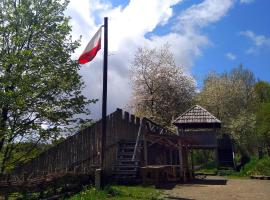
point(40, 87)
point(262, 91)
point(231, 98)
point(263, 124)
point(217, 96)
point(161, 90)
point(242, 128)
point(227, 94)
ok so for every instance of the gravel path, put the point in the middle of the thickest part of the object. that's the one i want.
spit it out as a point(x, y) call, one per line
point(221, 189)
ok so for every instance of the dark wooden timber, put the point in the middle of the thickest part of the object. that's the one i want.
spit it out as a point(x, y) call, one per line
point(145, 151)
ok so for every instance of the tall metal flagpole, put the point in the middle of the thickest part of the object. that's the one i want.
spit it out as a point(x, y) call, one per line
point(104, 95)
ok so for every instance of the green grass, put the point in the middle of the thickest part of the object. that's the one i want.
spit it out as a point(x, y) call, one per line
point(119, 193)
point(208, 171)
point(208, 168)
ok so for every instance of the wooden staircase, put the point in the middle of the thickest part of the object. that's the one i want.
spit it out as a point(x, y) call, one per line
point(125, 169)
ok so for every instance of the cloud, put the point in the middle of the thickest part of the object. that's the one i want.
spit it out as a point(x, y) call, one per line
point(246, 1)
point(258, 41)
point(200, 15)
point(230, 56)
point(128, 26)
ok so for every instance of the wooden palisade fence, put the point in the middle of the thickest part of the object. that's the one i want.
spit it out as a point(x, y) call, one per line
point(80, 153)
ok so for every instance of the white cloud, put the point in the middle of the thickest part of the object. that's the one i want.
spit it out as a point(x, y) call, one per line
point(230, 56)
point(127, 29)
point(200, 15)
point(246, 1)
point(258, 41)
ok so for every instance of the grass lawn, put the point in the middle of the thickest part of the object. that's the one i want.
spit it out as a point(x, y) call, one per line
point(119, 193)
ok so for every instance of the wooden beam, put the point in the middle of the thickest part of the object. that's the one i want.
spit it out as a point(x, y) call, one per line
point(180, 153)
point(171, 143)
point(137, 140)
point(192, 163)
point(145, 150)
point(154, 142)
point(171, 157)
point(187, 160)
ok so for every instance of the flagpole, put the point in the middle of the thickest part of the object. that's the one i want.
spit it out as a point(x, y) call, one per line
point(104, 96)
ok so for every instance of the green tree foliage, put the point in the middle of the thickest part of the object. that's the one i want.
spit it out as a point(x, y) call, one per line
point(242, 128)
point(257, 167)
point(161, 90)
point(262, 91)
point(231, 98)
point(263, 125)
point(40, 88)
point(227, 94)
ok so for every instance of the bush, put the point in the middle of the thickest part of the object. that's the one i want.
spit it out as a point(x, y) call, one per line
point(257, 167)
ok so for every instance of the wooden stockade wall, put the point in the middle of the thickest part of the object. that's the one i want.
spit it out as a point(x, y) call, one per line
point(80, 153)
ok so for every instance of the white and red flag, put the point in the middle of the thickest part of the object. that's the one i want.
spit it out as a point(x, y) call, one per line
point(92, 48)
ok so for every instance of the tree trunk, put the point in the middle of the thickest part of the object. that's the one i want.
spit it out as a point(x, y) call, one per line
point(260, 152)
point(268, 150)
point(4, 117)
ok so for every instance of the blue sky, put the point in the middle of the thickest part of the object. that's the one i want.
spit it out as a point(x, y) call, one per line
point(231, 47)
point(204, 35)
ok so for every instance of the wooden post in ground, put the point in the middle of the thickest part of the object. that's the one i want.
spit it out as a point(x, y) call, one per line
point(216, 157)
point(187, 173)
point(171, 157)
point(180, 153)
point(145, 150)
point(98, 179)
point(192, 164)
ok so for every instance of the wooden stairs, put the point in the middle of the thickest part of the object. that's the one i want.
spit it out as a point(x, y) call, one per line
point(126, 170)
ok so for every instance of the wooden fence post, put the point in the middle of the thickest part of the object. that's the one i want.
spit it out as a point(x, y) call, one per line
point(145, 150)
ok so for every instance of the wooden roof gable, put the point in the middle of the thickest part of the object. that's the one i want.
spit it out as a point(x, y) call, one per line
point(197, 117)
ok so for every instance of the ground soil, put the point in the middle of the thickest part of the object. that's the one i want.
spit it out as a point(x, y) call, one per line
point(220, 188)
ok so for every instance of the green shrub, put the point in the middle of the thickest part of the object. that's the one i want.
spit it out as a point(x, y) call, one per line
point(257, 167)
point(247, 168)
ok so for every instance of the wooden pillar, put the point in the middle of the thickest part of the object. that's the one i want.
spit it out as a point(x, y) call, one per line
point(180, 153)
point(192, 164)
point(145, 150)
point(216, 157)
point(216, 151)
point(171, 157)
point(98, 179)
point(184, 163)
point(187, 161)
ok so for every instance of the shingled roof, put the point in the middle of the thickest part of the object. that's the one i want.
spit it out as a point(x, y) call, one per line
point(197, 117)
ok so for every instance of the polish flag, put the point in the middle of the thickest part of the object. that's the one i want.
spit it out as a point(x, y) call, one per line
point(91, 49)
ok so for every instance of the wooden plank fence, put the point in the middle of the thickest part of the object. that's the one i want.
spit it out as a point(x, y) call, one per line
point(80, 153)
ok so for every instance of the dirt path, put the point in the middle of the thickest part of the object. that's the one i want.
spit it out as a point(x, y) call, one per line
point(221, 189)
